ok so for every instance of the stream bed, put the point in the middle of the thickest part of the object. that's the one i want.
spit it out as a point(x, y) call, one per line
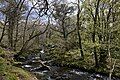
point(50, 72)
point(63, 73)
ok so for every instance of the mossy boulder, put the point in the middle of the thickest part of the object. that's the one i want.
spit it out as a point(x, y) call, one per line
point(10, 72)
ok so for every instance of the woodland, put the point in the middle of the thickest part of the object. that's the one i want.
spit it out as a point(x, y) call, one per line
point(82, 34)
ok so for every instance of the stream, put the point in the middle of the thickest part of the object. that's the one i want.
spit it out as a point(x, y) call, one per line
point(50, 72)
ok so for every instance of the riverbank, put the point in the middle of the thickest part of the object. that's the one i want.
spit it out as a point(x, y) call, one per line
point(72, 59)
point(10, 72)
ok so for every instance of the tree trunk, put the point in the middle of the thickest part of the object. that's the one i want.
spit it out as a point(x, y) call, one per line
point(10, 33)
point(78, 32)
point(1, 38)
point(95, 53)
point(94, 32)
point(16, 36)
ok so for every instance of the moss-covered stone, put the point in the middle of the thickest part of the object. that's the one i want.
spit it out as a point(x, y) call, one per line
point(10, 72)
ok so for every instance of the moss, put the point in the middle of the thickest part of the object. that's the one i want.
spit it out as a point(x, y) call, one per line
point(20, 73)
point(10, 72)
point(10, 76)
point(5, 70)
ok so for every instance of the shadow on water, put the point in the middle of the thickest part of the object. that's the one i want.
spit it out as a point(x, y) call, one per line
point(62, 73)
point(45, 70)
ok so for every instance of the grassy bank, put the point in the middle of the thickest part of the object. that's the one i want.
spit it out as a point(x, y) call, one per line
point(10, 72)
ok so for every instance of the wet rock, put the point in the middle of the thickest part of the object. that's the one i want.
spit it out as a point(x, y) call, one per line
point(20, 58)
point(27, 66)
point(42, 55)
point(42, 68)
point(98, 76)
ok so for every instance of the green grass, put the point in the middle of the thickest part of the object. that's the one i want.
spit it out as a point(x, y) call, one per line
point(10, 72)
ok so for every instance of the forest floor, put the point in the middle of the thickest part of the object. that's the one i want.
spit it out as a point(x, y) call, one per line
point(10, 72)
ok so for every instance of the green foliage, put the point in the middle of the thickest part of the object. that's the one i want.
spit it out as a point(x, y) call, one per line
point(99, 29)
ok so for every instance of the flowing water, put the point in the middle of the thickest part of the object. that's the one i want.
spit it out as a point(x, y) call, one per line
point(51, 72)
